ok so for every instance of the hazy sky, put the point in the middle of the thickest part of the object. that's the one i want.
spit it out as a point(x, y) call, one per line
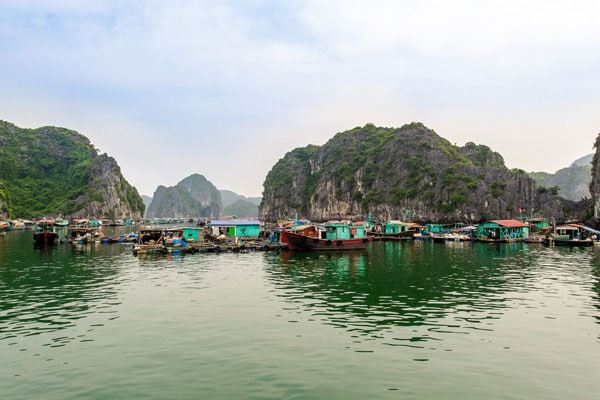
point(225, 89)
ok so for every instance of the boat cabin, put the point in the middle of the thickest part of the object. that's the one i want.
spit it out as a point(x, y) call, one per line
point(341, 231)
point(573, 232)
point(502, 230)
point(306, 230)
point(235, 228)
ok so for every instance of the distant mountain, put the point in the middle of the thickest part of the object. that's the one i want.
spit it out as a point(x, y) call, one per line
point(585, 161)
point(147, 200)
point(238, 205)
point(242, 209)
point(573, 182)
point(193, 197)
point(228, 197)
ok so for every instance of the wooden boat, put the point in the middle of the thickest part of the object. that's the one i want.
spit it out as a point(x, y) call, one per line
point(82, 235)
point(574, 235)
point(334, 236)
point(45, 235)
point(450, 237)
point(394, 231)
point(150, 241)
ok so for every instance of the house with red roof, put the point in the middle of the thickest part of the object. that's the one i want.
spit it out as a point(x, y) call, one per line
point(502, 230)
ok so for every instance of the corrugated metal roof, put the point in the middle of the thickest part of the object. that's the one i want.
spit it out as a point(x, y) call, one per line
point(233, 222)
point(510, 223)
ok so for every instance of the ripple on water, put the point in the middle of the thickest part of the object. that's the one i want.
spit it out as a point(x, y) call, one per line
point(392, 319)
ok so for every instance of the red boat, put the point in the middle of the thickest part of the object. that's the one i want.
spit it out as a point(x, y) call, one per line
point(336, 236)
point(45, 234)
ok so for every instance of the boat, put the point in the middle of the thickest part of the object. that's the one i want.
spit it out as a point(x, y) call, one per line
point(395, 231)
point(574, 235)
point(45, 234)
point(16, 224)
point(150, 241)
point(333, 236)
point(82, 235)
point(450, 237)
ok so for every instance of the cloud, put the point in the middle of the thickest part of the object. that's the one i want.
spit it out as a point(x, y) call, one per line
point(226, 88)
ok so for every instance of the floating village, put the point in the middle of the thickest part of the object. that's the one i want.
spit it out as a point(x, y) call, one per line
point(181, 236)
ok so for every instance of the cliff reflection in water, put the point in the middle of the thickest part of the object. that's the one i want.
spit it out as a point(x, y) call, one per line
point(458, 286)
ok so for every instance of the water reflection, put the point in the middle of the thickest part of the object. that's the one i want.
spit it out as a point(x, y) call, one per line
point(429, 287)
point(595, 264)
point(48, 289)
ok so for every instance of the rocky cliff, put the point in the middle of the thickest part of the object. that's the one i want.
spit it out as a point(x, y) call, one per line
point(4, 202)
point(56, 171)
point(595, 184)
point(409, 173)
point(193, 197)
point(573, 182)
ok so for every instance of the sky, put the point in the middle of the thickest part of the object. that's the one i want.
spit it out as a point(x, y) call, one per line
point(225, 89)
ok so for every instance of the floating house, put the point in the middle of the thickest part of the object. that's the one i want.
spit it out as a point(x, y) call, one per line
point(395, 227)
point(235, 227)
point(502, 230)
point(435, 229)
point(191, 234)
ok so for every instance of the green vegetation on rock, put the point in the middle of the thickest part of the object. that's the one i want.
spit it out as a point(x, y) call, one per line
point(51, 171)
point(393, 172)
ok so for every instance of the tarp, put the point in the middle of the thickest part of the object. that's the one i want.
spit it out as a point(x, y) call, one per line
point(587, 228)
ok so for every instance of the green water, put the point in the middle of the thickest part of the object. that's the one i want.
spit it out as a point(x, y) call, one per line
point(411, 320)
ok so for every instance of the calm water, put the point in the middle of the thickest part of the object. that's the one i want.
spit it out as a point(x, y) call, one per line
point(416, 320)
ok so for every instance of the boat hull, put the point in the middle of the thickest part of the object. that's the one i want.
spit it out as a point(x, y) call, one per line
point(570, 243)
point(305, 243)
point(45, 238)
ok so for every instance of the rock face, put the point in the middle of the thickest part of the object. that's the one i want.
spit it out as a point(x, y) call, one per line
point(193, 197)
point(573, 182)
point(4, 206)
point(409, 173)
point(595, 184)
point(56, 171)
point(109, 194)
